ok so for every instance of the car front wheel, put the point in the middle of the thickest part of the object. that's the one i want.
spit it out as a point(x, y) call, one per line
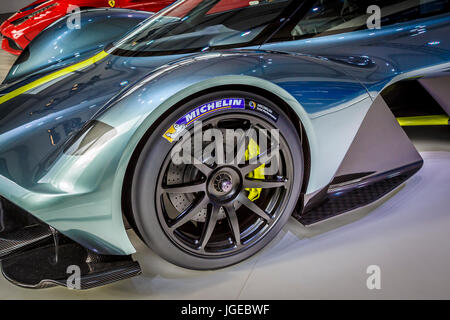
point(217, 180)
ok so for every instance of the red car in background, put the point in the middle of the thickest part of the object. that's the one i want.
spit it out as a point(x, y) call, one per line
point(28, 22)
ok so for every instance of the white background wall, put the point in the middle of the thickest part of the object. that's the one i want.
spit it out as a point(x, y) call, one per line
point(13, 5)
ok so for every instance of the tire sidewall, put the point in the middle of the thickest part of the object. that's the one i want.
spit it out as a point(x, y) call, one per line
point(151, 159)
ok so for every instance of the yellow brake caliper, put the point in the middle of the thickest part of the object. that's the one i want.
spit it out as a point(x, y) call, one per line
point(251, 152)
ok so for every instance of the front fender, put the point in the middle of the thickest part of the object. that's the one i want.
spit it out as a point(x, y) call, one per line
point(330, 127)
point(80, 195)
point(330, 104)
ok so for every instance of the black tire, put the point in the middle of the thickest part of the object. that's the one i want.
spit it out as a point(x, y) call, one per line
point(147, 175)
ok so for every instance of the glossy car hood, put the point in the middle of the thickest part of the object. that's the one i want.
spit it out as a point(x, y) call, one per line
point(35, 125)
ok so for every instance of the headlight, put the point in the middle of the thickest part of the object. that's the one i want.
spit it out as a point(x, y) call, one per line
point(31, 15)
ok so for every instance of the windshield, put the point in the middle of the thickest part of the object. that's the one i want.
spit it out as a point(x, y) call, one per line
point(194, 25)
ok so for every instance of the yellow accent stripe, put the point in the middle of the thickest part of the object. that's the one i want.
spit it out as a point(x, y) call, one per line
point(53, 76)
point(439, 120)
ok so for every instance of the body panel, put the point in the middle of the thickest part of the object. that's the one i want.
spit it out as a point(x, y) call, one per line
point(131, 113)
point(47, 168)
point(61, 45)
point(382, 56)
point(438, 88)
point(366, 154)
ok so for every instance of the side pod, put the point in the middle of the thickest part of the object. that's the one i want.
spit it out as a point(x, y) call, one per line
point(380, 158)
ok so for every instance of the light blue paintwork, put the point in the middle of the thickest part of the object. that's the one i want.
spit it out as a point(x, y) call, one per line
point(326, 81)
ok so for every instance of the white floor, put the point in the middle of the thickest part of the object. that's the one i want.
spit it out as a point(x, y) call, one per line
point(406, 235)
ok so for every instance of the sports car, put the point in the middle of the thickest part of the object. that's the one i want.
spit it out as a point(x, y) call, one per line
point(27, 23)
point(206, 127)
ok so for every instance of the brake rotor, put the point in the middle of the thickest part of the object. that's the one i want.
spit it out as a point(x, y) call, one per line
point(178, 174)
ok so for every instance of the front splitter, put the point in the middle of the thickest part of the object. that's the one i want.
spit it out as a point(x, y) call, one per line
point(33, 255)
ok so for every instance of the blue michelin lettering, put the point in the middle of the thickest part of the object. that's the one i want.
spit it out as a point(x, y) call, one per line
point(211, 107)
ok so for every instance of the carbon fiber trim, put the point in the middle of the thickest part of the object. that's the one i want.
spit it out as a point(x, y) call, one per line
point(133, 269)
point(87, 282)
point(350, 177)
point(34, 257)
point(21, 239)
point(357, 196)
point(45, 267)
point(19, 230)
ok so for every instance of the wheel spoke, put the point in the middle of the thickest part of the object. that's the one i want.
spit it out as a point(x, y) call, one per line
point(241, 146)
point(220, 152)
point(195, 158)
point(215, 123)
point(261, 159)
point(199, 164)
point(234, 223)
point(205, 169)
point(242, 198)
point(219, 143)
point(190, 212)
point(210, 224)
point(190, 187)
point(212, 178)
point(215, 135)
point(265, 184)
